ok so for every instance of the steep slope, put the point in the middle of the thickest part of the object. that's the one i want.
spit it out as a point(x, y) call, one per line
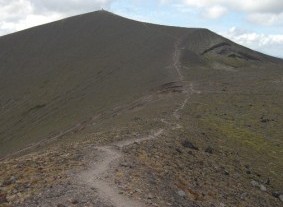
point(58, 75)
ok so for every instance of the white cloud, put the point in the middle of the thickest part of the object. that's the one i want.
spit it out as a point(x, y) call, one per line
point(266, 19)
point(69, 7)
point(30, 20)
point(16, 15)
point(248, 38)
point(265, 12)
point(214, 12)
point(268, 43)
point(273, 6)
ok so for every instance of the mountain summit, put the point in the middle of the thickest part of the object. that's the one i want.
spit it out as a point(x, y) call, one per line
point(195, 116)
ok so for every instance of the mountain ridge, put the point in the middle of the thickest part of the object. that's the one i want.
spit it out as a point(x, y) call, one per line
point(98, 110)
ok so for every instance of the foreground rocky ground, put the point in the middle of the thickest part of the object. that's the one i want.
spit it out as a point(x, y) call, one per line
point(180, 166)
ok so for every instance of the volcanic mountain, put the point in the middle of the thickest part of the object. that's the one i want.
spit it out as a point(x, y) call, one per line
point(196, 118)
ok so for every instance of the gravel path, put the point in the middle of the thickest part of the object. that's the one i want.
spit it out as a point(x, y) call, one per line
point(110, 154)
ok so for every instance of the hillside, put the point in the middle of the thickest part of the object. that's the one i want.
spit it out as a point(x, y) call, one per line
point(195, 119)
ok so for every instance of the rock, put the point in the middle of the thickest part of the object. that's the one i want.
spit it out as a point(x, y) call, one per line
point(248, 172)
point(257, 174)
point(276, 194)
point(138, 190)
point(254, 183)
point(257, 184)
point(209, 150)
point(150, 196)
point(267, 181)
point(243, 195)
point(125, 164)
point(190, 153)
point(262, 187)
point(178, 150)
point(3, 198)
point(188, 144)
point(13, 179)
point(74, 201)
point(281, 197)
point(181, 193)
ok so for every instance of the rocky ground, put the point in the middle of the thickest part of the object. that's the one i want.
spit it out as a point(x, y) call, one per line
point(182, 166)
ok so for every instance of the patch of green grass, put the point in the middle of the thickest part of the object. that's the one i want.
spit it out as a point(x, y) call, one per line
point(265, 155)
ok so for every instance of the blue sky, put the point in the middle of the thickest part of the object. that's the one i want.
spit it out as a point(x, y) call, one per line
point(257, 24)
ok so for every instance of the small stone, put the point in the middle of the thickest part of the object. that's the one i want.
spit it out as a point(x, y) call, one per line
point(60, 205)
point(262, 188)
point(150, 196)
point(226, 172)
point(13, 179)
point(124, 164)
point(178, 150)
point(243, 195)
point(248, 172)
point(254, 183)
point(276, 194)
point(188, 144)
point(222, 205)
point(74, 201)
point(268, 181)
point(181, 193)
point(281, 197)
point(209, 150)
point(190, 153)
point(138, 190)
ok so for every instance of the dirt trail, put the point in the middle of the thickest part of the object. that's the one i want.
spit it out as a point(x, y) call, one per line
point(110, 154)
point(188, 89)
point(176, 60)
